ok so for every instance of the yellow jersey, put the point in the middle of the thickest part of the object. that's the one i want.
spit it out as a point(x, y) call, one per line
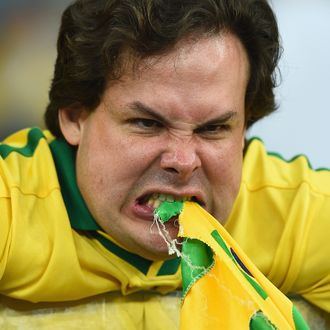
point(53, 252)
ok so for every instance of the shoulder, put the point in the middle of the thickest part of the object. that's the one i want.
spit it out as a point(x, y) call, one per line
point(269, 169)
point(25, 143)
point(25, 160)
point(289, 195)
point(284, 207)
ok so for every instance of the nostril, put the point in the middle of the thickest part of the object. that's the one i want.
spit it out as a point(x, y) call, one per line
point(171, 170)
point(182, 163)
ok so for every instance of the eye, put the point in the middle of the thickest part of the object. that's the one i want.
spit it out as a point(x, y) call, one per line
point(213, 130)
point(145, 123)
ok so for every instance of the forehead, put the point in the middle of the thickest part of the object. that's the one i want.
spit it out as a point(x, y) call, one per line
point(204, 76)
point(198, 56)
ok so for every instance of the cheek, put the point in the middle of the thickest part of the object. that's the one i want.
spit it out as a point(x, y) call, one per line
point(225, 162)
point(116, 164)
point(225, 179)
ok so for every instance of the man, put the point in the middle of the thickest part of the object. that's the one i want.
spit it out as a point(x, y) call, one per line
point(151, 101)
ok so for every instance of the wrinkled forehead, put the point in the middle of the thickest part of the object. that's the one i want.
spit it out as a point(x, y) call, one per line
point(207, 77)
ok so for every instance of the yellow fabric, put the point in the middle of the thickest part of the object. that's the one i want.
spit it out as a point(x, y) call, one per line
point(111, 311)
point(224, 298)
point(41, 257)
point(280, 220)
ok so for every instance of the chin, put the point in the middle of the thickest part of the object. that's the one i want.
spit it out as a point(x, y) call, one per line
point(157, 252)
point(154, 247)
point(159, 256)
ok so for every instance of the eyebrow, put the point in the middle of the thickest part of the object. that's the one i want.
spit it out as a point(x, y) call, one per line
point(222, 119)
point(146, 110)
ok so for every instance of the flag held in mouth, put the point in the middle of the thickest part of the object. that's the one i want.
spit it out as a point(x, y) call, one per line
point(221, 287)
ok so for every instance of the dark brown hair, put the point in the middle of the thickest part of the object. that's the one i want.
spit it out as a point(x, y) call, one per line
point(95, 33)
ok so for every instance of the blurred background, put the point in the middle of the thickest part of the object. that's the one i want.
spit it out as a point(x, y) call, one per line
point(28, 32)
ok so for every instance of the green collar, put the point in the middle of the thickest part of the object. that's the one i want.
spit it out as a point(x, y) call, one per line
point(64, 157)
point(81, 219)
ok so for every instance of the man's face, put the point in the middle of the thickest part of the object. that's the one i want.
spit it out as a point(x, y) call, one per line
point(173, 128)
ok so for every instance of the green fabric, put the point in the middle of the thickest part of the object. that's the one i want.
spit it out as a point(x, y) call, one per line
point(64, 157)
point(167, 210)
point(259, 321)
point(169, 267)
point(135, 260)
point(199, 262)
point(239, 264)
point(299, 321)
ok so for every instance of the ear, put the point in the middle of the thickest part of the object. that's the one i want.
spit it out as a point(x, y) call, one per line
point(71, 120)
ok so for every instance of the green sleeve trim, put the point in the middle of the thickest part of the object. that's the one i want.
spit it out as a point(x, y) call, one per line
point(33, 138)
point(279, 156)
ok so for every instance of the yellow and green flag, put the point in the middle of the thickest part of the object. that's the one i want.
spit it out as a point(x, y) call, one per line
point(222, 288)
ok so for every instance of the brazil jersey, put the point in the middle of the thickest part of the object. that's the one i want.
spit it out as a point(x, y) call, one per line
point(52, 250)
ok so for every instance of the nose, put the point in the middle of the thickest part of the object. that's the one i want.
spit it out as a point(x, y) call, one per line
point(181, 158)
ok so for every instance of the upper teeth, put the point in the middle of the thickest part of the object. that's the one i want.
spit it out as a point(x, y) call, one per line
point(156, 199)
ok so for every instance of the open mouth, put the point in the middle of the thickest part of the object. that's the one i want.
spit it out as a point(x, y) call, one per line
point(155, 199)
